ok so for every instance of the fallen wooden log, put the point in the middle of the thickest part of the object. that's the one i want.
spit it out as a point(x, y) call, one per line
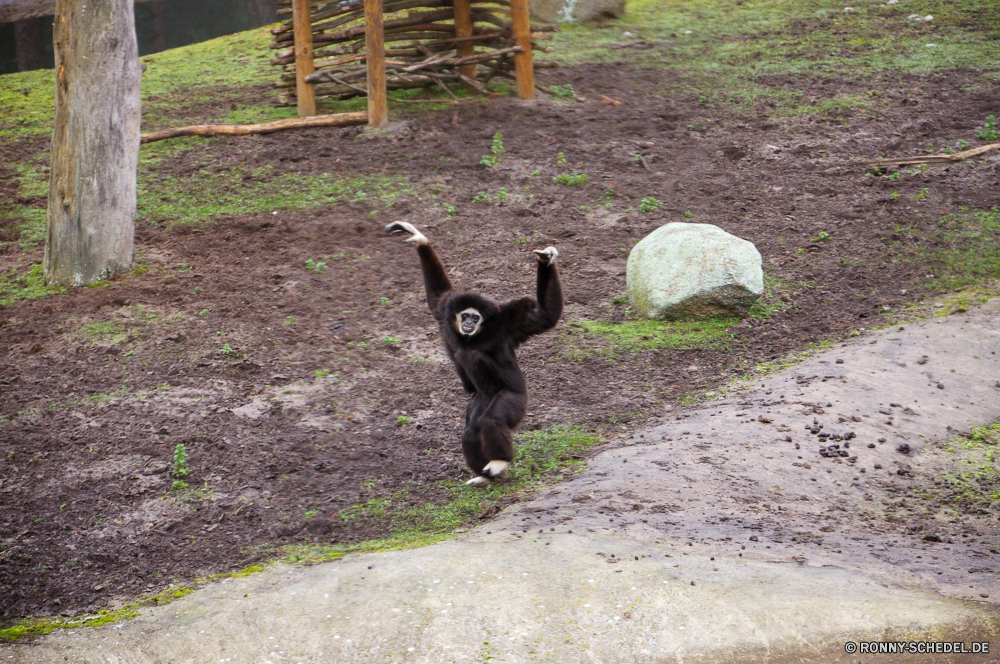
point(336, 120)
point(935, 158)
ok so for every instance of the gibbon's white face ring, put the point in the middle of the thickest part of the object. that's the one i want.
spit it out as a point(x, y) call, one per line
point(467, 322)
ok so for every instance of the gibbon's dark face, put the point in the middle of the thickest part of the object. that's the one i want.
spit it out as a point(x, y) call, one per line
point(467, 322)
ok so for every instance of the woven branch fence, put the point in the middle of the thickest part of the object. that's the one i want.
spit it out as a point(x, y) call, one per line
point(422, 47)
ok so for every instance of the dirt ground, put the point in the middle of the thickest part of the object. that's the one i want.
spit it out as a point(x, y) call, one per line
point(287, 386)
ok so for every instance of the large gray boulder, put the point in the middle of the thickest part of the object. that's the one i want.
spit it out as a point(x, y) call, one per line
point(693, 271)
point(551, 11)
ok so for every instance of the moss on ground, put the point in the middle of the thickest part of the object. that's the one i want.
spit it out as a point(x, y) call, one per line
point(46, 625)
point(583, 339)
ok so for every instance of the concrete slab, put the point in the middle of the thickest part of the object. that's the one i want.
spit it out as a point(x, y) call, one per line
point(709, 538)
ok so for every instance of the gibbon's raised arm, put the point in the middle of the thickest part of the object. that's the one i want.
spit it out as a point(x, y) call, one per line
point(537, 316)
point(436, 282)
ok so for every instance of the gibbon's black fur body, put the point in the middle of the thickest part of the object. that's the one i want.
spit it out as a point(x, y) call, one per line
point(484, 355)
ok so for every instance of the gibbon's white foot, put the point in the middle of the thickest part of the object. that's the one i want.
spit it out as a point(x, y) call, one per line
point(477, 481)
point(495, 468)
point(406, 227)
point(548, 255)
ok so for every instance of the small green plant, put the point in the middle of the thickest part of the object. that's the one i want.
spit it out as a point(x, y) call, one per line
point(561, 159)
point(502, 194)
point(638, 159)
point(989, 130)
point(308, 514)
point(562, 91)
point(687, 213)
point(496, 150)
point(895, 176)
point(198, 290)
point(482, 197)
point(226, 350)
point(894, 195)
point(180, 467)
point(178, 485)
point(962, 145)
point(608, 194)
point(204, 312)
point(823, 235)
point(322, 373)
point(571, 179)
point(289, 320)
point(384, 301)
point(316, 267)
point(449, 209)
point(402, 420)
point(650, 205)
point(391, 340)
point(922, 195)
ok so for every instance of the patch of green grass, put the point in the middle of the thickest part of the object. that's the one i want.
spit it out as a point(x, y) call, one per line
point(967, 250)
point(770, 302)
point(736, 47)
point(969, 480)
point(571, 179)
point(175, 81)
point(108, 332)
point(26, 284)
point(30, 222)
point(583, 339)
point(207, 194)
point(562, 91)
point(541, 456)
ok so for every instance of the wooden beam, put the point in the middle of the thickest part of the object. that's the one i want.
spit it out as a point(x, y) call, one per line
point(522, 37)
point(463, 31)
point(378, 107)
point(338, 120)
point(305, 93)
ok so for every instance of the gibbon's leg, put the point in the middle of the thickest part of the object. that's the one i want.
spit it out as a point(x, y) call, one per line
point(436, 282)
point(472, 446)
point(496, 426)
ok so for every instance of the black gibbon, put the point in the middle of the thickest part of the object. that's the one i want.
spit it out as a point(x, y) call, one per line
point(481, 337)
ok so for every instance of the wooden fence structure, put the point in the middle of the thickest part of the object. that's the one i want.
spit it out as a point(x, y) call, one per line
point(368, 47)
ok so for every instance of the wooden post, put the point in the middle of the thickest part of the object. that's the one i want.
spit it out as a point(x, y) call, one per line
point(305, 93)
point(463, 28)
point(378, 111)
point(522, 37)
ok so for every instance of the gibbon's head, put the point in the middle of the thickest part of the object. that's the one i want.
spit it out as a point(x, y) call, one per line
point(469, 314)
point(467, 321)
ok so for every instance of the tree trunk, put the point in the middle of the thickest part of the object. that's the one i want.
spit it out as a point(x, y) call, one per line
point(95, 142)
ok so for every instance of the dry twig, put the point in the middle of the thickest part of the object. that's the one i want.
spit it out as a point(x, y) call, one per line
point(936, 158)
